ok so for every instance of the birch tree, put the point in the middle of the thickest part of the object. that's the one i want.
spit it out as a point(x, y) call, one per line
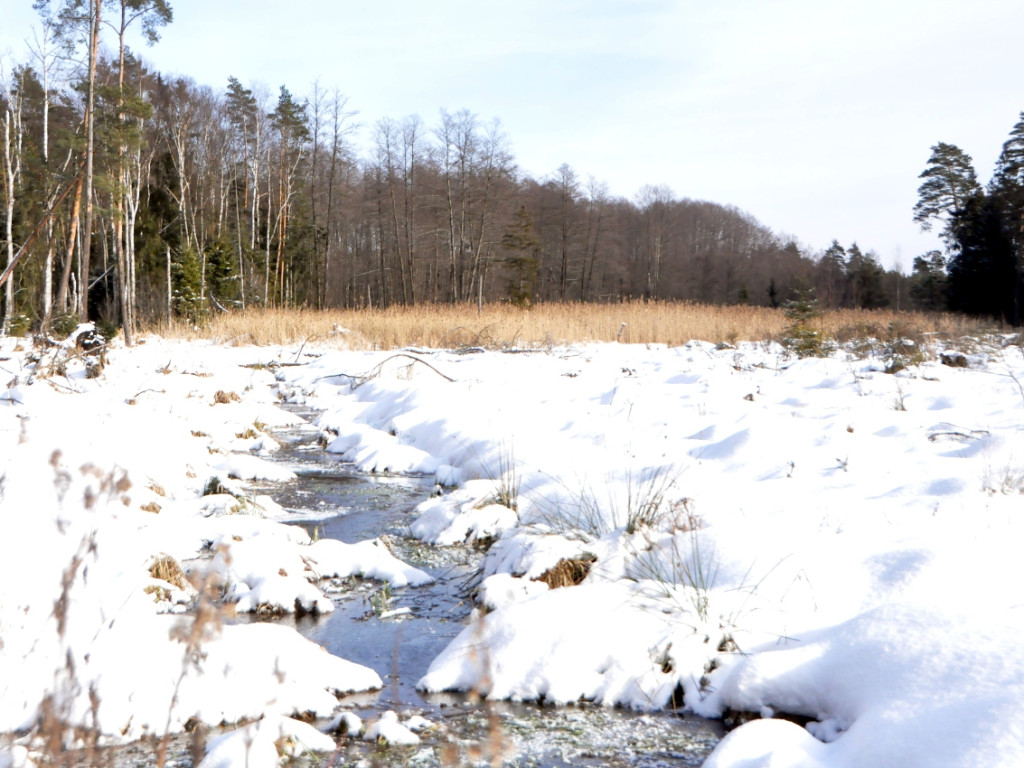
point(568, 190)
point(13, 137)
point(45, 52)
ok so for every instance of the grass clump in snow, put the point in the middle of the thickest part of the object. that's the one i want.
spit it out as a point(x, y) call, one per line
point(380, 600)
point(223, 398)
point(215, 486)
point(166, 568)
point(568, 572)
point(507, 482)
point(644, 503)
point(1006, 480)
point(680, 559)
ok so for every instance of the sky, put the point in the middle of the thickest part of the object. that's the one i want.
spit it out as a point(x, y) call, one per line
point(815, 118)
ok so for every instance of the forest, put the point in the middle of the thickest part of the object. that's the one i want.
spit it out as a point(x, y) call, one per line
point(130, 197)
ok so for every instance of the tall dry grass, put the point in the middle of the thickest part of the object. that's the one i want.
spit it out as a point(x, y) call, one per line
point(505, 326)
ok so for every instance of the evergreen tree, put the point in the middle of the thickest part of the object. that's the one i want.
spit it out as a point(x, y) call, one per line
point(1009, 173)
point(802, 336)
point(983, 270)
point(832, 275)
point(221, 274)
point(1007, 189)
point(949, 182)
point(865, 275)
point(523, 259)
point(929, 285)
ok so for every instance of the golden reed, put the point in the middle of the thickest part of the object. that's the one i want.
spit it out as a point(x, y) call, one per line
point(503, 326)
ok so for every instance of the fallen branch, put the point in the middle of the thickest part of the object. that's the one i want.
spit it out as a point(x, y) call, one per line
point(359, 380)
point(137, 395)
point(955, 434)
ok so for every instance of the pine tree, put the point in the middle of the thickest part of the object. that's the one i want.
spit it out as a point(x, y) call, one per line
point(929, 285)
point(983, 271)
point(865, 276)
point(1007, 190)
point(832, 275)
point(1009, 171)
point(949, 182)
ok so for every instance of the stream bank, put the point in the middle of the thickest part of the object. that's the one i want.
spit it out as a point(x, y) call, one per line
point(399, 631)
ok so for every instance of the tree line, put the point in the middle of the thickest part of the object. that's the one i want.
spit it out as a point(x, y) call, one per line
point(982, 228)
point(130, 197)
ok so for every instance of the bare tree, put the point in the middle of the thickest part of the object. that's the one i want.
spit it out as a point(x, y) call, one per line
point(653, 202)
point(45, 52)
point(568, 190)
point(291, 122)
point(597, 201)
point(13, 137)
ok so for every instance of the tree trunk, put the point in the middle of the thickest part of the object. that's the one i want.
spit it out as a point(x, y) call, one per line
point(65, 278)
point(95, 7)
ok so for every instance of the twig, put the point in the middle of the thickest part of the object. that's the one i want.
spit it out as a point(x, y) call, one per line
point(66, 387)
point(359, 380)
point(144, 391)
point(301, 347)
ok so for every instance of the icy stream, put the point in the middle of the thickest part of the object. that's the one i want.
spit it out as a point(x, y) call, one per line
point(399, 631)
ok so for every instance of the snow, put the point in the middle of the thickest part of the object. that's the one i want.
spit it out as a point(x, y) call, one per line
point(102, 478)
point(370, 559)
point(815, 539)
point(388, 728)
point(256, 745)
point(830, 541)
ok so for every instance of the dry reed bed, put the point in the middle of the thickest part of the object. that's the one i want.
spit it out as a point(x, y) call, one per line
point(504, 326)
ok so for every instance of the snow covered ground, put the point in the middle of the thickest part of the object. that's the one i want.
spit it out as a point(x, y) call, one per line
point(812, 539)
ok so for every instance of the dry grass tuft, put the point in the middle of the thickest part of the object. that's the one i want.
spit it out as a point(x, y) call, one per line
point(501, 326)
point(567, 572)
point(166, 568)
point(223, 398)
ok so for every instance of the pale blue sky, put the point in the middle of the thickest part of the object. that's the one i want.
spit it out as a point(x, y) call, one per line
point(814, 116)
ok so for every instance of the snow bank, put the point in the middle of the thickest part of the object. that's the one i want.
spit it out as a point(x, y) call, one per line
point(735, 529)
point(370, 559)
point(814, 538)
point(100, 481)
point(387, 728)
point(257, 745)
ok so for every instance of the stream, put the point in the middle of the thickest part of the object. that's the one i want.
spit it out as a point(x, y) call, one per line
point(399, 631)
